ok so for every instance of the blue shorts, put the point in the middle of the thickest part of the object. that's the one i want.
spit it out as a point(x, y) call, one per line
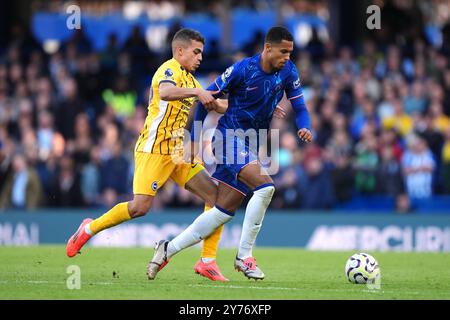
point(232, 153)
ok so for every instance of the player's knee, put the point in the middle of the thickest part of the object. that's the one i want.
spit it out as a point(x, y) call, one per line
point(210, 199)
point(139, 208)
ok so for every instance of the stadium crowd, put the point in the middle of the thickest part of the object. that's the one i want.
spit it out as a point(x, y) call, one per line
point(380, 115)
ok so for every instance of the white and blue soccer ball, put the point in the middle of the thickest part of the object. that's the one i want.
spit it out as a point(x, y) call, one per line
point(362, 268)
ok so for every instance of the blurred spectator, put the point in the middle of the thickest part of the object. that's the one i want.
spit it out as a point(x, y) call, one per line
point(346, 62)
point(431, 135)
point(446, 162)
point(66, 189)
point(340, 144)
point(364, 117)
point(121, 99)
point(389, 173)
point(68, 108)
point(45, 133)
point(80, 147)
point(110, 53)
point(418, 166)
point(366, 163)
point(402, 122)
point(110, 138)
point(90, 179)
point(338, 153)
point(289, 186)
point(325, 128)
point(343, 177)
point(446, 78)
point(440, 121)
point(22, 188)
point(415, 101)
point(291, 174)
point(5, 162)
point(390, 138)
point(91, 79)
point(385, 108)
point(114, 172)
point(317, 189)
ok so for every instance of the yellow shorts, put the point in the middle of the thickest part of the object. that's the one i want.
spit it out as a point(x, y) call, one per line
point(151, 171)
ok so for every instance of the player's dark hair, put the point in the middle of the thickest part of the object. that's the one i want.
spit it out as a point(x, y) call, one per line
point(186, 35)
point(278, 34)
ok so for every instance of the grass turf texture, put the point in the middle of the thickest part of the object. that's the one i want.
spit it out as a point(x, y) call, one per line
point(111, 273)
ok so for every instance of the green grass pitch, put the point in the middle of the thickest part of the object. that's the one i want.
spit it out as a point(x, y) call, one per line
point(111, 273)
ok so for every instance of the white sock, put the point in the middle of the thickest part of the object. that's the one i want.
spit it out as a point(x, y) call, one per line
point(254, 215)
point(202, 227)
point(87, 229)
point(207, 260)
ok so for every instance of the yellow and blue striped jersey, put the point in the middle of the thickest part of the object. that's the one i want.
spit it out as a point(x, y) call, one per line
point(163, 131)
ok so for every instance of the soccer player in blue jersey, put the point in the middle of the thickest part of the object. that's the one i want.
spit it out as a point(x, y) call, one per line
point(254, 86)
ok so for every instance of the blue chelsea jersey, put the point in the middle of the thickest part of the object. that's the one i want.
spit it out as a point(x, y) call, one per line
point(253, 94)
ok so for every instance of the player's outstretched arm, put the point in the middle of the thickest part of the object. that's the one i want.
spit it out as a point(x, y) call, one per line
point(170, 92)
point(302, 119)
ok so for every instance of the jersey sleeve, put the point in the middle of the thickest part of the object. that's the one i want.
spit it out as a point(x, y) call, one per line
point(229, 79)
point(294, 94)
point(168, 74)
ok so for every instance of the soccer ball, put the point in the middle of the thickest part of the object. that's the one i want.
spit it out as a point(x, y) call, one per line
point(362, 268)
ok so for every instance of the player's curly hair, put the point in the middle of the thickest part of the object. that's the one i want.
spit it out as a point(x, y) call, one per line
point(278, 34)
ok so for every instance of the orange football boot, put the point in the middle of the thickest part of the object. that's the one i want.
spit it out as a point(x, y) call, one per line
point(77, 241)
point(209, 270)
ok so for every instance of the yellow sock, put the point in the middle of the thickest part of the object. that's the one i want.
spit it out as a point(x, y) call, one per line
point(210, 244)
point(113, 217)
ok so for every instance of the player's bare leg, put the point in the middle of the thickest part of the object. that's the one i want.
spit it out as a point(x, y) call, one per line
point(202, 186)
point(120, 213)
point(263, 188)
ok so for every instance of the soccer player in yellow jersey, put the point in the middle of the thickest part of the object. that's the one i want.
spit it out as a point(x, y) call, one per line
point(158, 151)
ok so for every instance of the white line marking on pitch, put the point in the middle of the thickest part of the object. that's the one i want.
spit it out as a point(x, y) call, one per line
point(291, 289)
point(259, 288)
point(243, 287)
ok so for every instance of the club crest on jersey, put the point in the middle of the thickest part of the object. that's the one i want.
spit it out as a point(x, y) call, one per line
point(296, 83)
point(227, 73)
point(168, 73)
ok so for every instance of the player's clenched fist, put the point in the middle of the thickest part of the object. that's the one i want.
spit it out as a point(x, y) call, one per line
point(305, 135)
